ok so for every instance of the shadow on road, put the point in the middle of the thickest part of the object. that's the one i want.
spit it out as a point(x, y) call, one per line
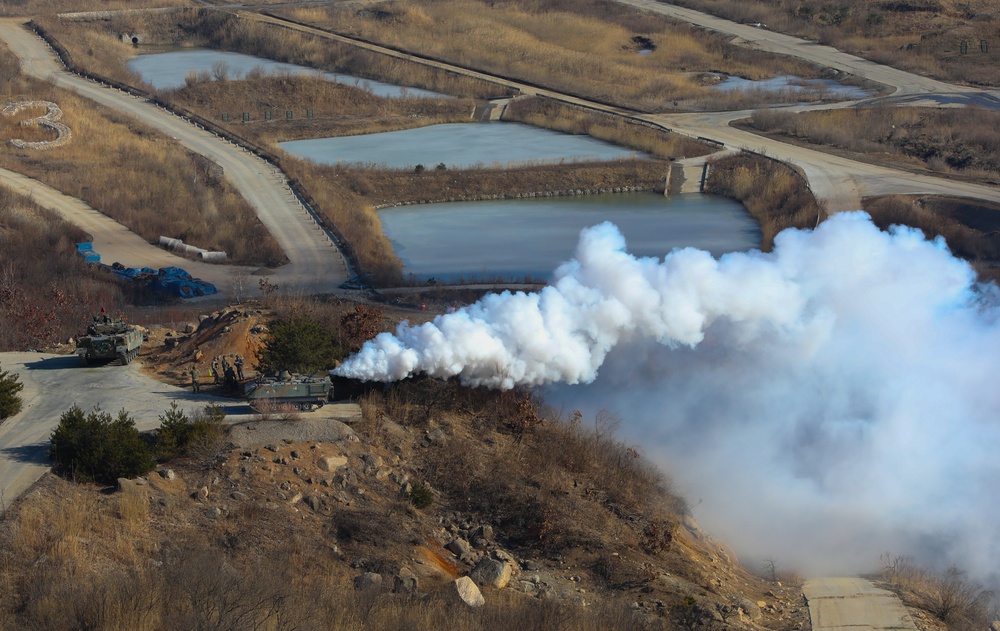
point(54, 363)
point(37, 453)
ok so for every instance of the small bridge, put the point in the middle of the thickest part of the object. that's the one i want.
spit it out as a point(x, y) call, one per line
point(687, 176)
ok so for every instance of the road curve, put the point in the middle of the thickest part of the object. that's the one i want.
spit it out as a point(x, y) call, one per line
point(854, 604)
point(316, 264)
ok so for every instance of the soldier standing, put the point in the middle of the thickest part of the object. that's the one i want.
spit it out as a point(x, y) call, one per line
point(194, 379)
point(215, 369)
point(239, 367)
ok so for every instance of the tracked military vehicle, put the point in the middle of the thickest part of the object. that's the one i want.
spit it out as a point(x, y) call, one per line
point(107, 340)
point(298, 391)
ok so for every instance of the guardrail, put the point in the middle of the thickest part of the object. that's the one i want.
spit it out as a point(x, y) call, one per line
point(307, 200)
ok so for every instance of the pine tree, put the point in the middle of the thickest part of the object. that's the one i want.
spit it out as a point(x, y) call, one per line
point(10, 400)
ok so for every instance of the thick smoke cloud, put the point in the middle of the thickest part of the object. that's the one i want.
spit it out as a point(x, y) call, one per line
point(819, 405)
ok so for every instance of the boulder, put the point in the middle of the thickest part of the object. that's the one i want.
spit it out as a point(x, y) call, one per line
point(405, 581)
point(485, 532)
point(367, 581)
point(459, 547)
point(466, 591)
point(332, 463)
point(167, 474)
point(492, 572)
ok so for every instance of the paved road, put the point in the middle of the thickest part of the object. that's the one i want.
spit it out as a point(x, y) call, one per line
point(316, 265)
point(853, 604)
point(52, 384)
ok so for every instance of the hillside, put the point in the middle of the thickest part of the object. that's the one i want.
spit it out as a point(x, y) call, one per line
point(276, 525)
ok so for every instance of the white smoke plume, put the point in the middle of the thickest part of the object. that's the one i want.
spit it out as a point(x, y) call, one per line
point(821, 404)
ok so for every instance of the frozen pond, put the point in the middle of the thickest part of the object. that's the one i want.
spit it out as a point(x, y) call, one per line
point(795, 85)
point(515, 239)
point(458, 145)
point(167, 70)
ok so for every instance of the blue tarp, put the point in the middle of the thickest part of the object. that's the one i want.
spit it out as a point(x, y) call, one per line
point(86, 250)
point(171, 280)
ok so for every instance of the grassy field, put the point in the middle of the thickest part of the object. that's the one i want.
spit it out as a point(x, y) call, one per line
point(922, 36)
point(965, 142)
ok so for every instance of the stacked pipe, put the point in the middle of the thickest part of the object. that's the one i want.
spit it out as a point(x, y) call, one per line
point(177, 245)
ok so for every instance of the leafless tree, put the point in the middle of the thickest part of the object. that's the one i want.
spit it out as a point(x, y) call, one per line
point(239, 284)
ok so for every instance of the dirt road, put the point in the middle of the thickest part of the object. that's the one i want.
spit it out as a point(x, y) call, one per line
point(113, 241)
point(838, 604)
point(316, 264)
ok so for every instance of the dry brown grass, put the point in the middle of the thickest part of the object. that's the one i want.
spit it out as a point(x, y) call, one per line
point(550, 114)
point(949, 596)
point(584, 48)
point(774, 194)
point(9, 8)
point(922, 36)
point(44, 298)
point(72, 557)
point(337, 109)
point(970, 228)
point(549, 483)
point(95, 45)
point(963, 141)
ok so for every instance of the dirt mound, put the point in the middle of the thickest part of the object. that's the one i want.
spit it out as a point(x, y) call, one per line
point(229, 333)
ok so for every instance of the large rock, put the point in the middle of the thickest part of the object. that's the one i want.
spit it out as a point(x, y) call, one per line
point(466, 591)
point(459, 547)
point(332, 463)
point(493, 572)
point(367, 581)
point(405, 581)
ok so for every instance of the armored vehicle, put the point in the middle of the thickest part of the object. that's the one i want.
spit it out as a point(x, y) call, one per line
point(108, 339)
point(299, 391)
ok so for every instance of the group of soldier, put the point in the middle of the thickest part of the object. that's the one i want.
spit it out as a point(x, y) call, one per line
point(222, 372)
